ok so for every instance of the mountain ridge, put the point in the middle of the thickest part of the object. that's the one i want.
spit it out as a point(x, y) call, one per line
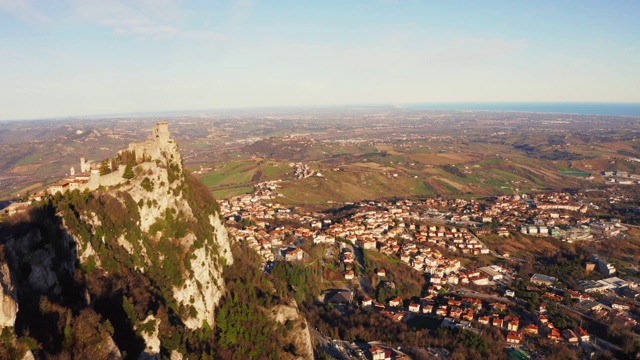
point(150, 246)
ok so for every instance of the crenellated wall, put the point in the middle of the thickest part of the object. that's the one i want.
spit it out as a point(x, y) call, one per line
point(160, 144)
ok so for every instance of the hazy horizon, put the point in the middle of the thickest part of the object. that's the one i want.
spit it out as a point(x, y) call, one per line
point(578, 108)
point(80, 58)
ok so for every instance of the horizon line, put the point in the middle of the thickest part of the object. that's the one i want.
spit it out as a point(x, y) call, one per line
point(329, 106)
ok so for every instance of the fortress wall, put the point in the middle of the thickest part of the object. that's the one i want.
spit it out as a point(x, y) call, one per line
point(114, 178)
point(94, 181)
point(161, 142)
point(145, 150)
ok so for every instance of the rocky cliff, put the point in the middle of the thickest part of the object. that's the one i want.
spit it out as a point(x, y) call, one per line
point(133, 269)
point(137, 264)
point(165, 215)
point(8, 298)
point(299, 335)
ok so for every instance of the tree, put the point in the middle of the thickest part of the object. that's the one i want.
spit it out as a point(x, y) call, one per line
point(128, 172)
point(105, 167)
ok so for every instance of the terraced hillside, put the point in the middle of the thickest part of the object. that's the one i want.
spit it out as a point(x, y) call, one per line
point(397, 169)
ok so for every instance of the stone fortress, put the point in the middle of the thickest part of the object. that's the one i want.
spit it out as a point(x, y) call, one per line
point(153, 148)
point(90, 178)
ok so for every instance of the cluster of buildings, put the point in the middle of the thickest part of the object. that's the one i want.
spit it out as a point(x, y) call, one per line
point(89, 177)
point(469, 313)
point(579, 232)
point(602, 265)
point(614, 313)
point(557, 215)
point(16, 208)
point(407, 230)
point(621, 177)
point(303, 171)
point(400, 229)
point(611, 312)
point(389, 227)
point(404, 229)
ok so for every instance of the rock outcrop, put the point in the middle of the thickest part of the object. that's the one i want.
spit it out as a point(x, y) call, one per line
point(148, 244)
point(160, 190)
point(299, 334)
point(8, 297)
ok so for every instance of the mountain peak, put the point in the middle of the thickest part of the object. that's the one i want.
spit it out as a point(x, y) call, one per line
point(145, 241)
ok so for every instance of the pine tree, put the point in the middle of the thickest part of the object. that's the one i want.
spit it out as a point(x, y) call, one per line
point(128, 172)
point(105, 167)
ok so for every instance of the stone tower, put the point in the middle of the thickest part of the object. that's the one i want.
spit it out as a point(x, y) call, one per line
point(85, 166)
point(161, 134)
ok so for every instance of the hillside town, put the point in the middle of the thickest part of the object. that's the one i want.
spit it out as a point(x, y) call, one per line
point(436, 237)
point(442, 239)
point(467, 284)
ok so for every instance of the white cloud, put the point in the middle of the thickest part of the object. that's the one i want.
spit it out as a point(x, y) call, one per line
point(143, 19)
point(159, 32)
point(139, 21)
point(203, 35)
point(25, 11)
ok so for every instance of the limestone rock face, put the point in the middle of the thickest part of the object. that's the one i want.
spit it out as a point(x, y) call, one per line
point(42, 277)
point(203, 285)
point(42, 260)
point(204, 288)
point(299, 335)
point(156, 237)
point(223, 238)
point(8, 303)
point(29, 356)
point(152, 350)
point(163, 199)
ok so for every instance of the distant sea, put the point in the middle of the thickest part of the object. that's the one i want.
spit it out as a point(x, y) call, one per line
point(612, 109)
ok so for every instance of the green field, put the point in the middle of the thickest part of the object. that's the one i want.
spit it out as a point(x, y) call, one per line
point(372, 177)
point(28, 160)
point(227, 193)
point(470, 169)
point(576, 173)
point(238, 177)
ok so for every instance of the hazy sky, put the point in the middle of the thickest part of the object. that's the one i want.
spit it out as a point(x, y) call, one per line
point(64, 58)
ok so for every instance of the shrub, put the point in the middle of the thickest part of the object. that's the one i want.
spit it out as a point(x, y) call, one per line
point(128, 172)
point(147, 184)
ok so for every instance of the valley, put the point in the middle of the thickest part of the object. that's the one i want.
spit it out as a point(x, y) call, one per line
point(447, 234)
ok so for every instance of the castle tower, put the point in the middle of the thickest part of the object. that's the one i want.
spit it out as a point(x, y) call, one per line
point(161, 134)
point(84, 165)
point(72, 171)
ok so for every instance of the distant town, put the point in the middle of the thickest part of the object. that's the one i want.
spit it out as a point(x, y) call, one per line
point(433, 237)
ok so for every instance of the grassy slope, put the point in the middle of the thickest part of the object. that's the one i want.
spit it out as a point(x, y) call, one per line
point(423, 169)
point(519, 244)
point(373, 178)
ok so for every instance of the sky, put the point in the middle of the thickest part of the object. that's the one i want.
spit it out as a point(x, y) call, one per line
point(89, 57)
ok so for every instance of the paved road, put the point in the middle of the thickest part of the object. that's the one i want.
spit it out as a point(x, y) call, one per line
point(599, 342)
point(479, 295)
point(333, 348)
